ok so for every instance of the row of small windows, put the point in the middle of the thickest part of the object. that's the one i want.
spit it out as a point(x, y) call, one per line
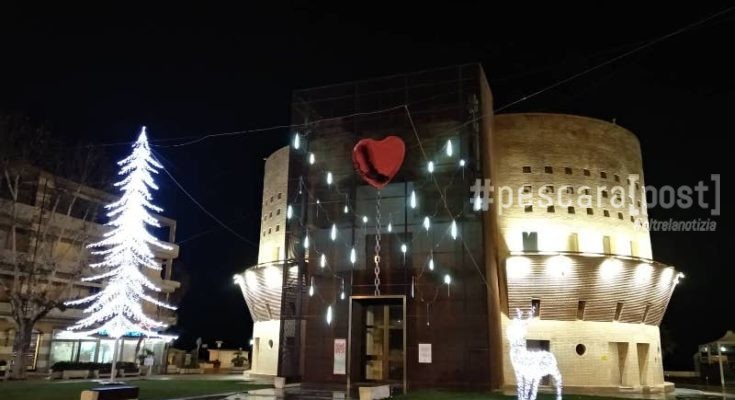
point(278, 228)
point(571, 210)
point(582, 306)
point(270, 214)
point(279, 195)
point(549, 189)
point(568, 171)
point(530, 243)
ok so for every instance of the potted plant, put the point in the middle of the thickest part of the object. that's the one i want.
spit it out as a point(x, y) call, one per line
point(238, 361)
point(216, 364)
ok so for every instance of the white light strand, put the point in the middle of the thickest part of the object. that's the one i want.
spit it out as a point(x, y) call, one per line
point(449, 148)
point(296, 141)
point(311, 287)
point(412, 201)
point(462, 163)
point(333, 232)
point(329, 315)
point(453, 229)
point(323, 260)
point(390, 227)
point(329, 178)
point(430, 167)
point(427, 223)
point(117, 310)
point(306, 242)
point(353, 255)
point(312, 158)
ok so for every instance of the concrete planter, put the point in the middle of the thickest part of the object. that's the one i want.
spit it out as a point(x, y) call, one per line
point(191, 371)
point(279, 382)
point(74, 373)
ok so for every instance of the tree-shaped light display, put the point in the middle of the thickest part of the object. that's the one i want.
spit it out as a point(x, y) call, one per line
point(117, 310)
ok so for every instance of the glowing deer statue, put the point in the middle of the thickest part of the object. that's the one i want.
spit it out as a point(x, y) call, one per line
point(530, 365)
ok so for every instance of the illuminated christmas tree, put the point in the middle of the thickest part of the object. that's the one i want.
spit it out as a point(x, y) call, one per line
point(117, 310)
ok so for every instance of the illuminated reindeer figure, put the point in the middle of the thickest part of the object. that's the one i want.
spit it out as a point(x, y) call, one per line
point(530, 365)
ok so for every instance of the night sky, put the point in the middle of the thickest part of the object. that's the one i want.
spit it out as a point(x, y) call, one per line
point(96, 75)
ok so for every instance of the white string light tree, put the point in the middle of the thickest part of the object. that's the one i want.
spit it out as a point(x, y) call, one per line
point(117, 310)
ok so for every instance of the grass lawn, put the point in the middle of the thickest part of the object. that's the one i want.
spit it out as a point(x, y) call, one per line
point(450, 395)
point(149, 389)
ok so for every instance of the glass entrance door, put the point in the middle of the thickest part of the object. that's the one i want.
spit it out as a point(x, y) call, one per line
point(383, 341)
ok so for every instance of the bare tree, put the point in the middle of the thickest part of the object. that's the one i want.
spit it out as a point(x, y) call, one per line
point(47, 218)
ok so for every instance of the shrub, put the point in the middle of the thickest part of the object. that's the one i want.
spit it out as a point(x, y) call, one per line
point(102, 367)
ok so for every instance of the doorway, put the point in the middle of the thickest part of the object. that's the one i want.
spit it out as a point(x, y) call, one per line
point(377, 340)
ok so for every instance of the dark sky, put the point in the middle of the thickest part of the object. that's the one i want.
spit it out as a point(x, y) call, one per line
point(97, 74)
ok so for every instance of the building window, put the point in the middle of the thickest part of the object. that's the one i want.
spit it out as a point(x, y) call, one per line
point(278, 228)
point(580, 349)
point(526, 170)
point(570, 210)
point(549, 188)
point(263, 232)
point(270, 215)
point(527, 188)
point(278, 211)
point(645, 313)
point(603, 174)
point(638, 204)
point(528, 209)
point(617, 178)
point(574, 242)
point(536, 307)
point(620, 216)
point(586, 192)
point(279, 196)
point(636, 186)
point(271, 199)
point(586, 172)
point(548, 169)
point(590, 212)
point(618, 311)
point(606, 213)
point(269, 231)
point(604, 193)
point(632, 219)
point(550, 209)
point(530, 241)
point(570, 190)
point(606, 245)
point(567, 170)
point(580, 309)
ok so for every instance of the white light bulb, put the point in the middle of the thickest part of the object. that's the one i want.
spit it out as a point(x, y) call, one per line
point(404, 248)
point(311, 287)
point(390, 227)
point(333, 232)
point(427, 223)
point(346, 209)
point(329, 178)
point(449, 148)
point(353, 255)
point(430, 167)
point(462, 163)
point(312, 158)
point(431, 264)
point(453, 229)
point(306, 242)
point(364, 219)
point(329, 315)
point(289, 212)
point(296, 141)
point(412, 201)
point(323, 260)
point(447, 279)
point(342, 295)
point(318, 202)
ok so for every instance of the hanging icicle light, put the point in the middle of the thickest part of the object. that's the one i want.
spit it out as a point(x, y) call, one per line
point(412, 201)
point(353, 256)
point(427, 223)
point(329, 178)
point(312, 159)
point(447, 279)
point(333, 232)
point(342, 290)
point(296, 141)
point(323, 260)
point(477, 203)
point(329, 315)
point(364, 219)
point(289, 212)
point(453, 229)
point(346, 209)
point(462, 163)
point(390, 227)
point(306, 242)
point(449, 148)
point(311, 287)
point(430, 167)
point(431, 263)
point(413, 284)
point(404, 248)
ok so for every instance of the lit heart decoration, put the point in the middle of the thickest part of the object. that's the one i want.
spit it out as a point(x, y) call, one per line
point(378, 161)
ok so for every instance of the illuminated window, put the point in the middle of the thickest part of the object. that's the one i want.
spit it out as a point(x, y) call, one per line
point(606, 245)
point(570, 210)
point(618, 311)
point(570, 190)
point(528, 209)
point(606, 213)
point(590, 211)
point(580, 309)
point(536, 307)
point(567, 170)
point(574, 242)
point(586, 172)
point(550, 209)
point(526, 170)
point(530, 241)
point(603, 174)
point(548, 169)
point(620, 215)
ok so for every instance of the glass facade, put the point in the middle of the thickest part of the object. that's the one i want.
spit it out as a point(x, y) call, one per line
point(101, 350)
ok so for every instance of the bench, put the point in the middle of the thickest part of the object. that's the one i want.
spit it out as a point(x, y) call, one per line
point(111, 393)
point(374, 392)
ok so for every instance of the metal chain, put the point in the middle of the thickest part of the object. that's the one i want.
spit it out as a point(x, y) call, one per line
point(376, 259)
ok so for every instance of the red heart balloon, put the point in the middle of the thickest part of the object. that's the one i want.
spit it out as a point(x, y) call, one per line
point(378, 161)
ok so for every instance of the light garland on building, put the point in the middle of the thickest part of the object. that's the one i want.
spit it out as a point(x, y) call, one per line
point(117, 309)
